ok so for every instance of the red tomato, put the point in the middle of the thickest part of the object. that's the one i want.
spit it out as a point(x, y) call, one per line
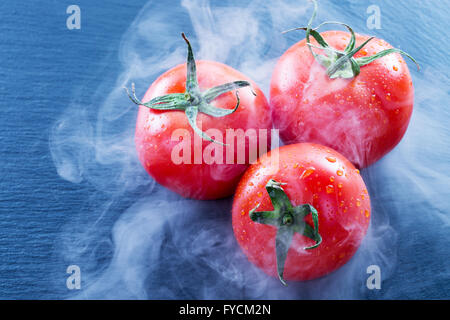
point(363, 117)
point(160, 133)
point(310, 174)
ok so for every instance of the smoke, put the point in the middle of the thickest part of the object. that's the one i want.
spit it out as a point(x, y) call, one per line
point(137, 240)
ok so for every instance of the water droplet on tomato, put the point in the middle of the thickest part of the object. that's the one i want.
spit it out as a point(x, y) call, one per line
point(339, 172)
point(331, 159)
point(330, 188)
point(395, 68)
point(332, 178)
point(367, 213)
point(358, 202)
point(308, 171)
point(339, 185)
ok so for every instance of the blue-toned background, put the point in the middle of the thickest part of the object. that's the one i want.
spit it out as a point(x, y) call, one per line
point(73, 192)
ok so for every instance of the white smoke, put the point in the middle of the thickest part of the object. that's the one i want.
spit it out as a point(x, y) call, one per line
point(159, 246)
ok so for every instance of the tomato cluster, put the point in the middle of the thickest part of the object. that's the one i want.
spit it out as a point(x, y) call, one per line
point(341, 102)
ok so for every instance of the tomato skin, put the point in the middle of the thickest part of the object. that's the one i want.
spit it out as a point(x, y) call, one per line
point(154, 129)
point(342, 202)
point(363, 118)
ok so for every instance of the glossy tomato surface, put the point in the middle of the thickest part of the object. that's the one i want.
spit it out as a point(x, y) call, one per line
point(163, 137)
point(316, 175)
point(363, 118)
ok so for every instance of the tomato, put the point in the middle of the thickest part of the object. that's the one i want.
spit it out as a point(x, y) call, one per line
point(313, 194)
point(182, 146)
point(363, 116)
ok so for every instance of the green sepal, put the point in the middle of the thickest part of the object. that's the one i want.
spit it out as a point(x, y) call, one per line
point(191, 76)
point(277, 196)
point(193, 101)
point(215, 92)
point(191, 114)
point(265, 217)
point(344, 63)
point(218, 112)
point(173, 101)
point(341, 64)
point(283, 242)
point(312, 233)
point(362, 61)
point(288, 220)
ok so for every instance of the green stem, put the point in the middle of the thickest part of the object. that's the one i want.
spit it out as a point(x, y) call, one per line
point(193, 101)
point(341, 64)
point(288, 220)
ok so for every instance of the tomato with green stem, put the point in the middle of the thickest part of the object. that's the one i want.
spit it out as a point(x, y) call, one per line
point(348, 91)
point(301, 211)
point(189, 123)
